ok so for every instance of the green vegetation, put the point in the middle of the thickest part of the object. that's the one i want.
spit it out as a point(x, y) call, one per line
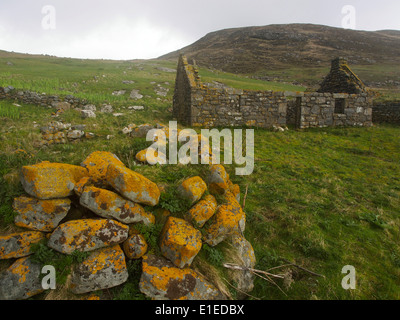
point(321, 198)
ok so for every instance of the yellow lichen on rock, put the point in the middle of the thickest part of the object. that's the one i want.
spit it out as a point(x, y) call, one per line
point(87, 235)
point(18, 245)
point(51, 180)
point(193, 189)
point(133, 185)
point(228, 218)
point(40, 215)
point(203, 211)
point(180, 242)
point(97, 163)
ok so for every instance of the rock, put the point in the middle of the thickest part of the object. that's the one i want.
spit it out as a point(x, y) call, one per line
point(104, 269)
point(21, 281)
point(228, 219)
point(97, 164)
point(51, 180)
point(88, 114)
point(193, 189)
point(129, 129)
point(235, 190)
point(128, 82)
point(135, 247)
point(133, 185)
point(136, 108)
point(203, 211)
point(166, 69)
point(110, 205)
point(80, 127)
point(75, 134)
point(119, 93)
point(87, 235)
point(64, 106)
point(180, 242)
point(90, 107)
point(135, 95)
point(243, 256)
point(40, 215)
point(218, 179)
point(107, 108)
point(152, 159)
point(142, 130)
point(18, 245)
point(80, 186)
point(161, 280)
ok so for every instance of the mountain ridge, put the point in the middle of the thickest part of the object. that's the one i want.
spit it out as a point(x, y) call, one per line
point(251, 49)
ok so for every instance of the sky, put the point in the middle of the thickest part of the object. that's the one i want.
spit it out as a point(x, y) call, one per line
point(145, 29)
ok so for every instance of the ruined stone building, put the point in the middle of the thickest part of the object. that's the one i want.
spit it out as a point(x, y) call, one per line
point(342, 100)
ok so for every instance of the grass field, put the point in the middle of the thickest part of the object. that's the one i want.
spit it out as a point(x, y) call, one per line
point(321, 198)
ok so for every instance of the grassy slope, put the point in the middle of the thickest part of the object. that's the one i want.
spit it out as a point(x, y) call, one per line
point(322, 198)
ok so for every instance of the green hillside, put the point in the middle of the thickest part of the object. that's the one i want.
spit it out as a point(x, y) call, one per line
point(320, 198)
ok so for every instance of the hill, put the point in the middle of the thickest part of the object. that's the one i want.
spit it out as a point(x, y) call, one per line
point(251, 49)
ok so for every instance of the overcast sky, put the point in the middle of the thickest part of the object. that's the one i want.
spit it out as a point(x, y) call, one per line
point(122, 29)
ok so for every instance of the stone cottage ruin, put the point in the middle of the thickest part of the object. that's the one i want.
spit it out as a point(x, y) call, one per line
point(342, 100)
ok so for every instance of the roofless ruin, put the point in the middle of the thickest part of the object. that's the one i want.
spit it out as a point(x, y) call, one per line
point(342, 100)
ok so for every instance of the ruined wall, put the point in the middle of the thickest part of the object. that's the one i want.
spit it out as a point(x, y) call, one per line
point(29, 97)
point(203, 105)
point(319, 110)
point(386, 113)
point(341, 79)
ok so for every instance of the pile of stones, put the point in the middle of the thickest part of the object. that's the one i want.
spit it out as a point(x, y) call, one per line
point(118, 199)
point(57, 132)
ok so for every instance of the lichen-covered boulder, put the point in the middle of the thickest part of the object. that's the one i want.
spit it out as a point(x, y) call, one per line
point(180, 242)
point(110, 205)
point(161, 280)
point(235, 190)
point(21, 281)
point(18, 245)
point(228, 219)
point(103, 269)
point(87, 235)
point(97, 163)
point(218, 179)
point(135, 246)
point(193, 189)
point(40, 215)
point(202, 211)
point(133, 185)
point(51, 180)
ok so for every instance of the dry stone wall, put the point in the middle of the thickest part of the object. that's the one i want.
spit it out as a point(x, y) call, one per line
point(40, 99)
point(386, 113)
